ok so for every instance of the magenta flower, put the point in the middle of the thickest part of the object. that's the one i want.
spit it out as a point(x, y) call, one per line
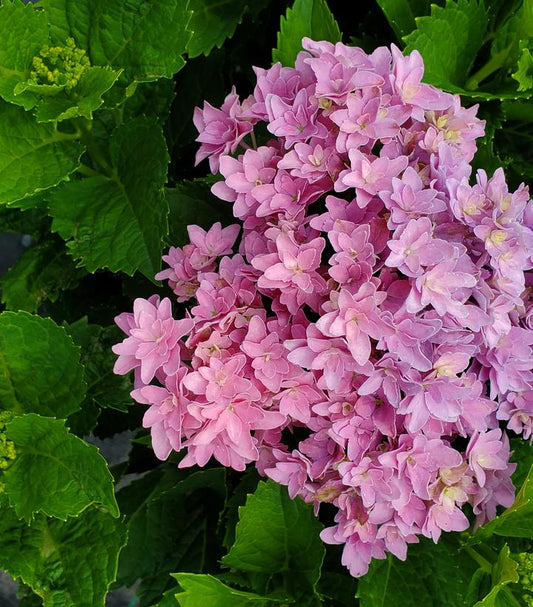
point(221, 130)
point(390, 325)
point(154, 340)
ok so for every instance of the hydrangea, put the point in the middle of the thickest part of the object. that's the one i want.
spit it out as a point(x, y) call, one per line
point(379, 298)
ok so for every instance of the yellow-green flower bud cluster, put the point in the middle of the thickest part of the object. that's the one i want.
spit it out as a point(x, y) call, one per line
point(7, 447)
point(525, 571)
point(60, 65)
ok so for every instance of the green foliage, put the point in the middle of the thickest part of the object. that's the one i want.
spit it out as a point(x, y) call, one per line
point(33, 156)
point(401, 14)
point(145, 39)
point(172, 529)
point(200, 590)
point(449, 39)
point(516, 520)
point(23, 33)
point(67, 563)
point(277, 536)
point(119, 220)
point(39, 367)
point(431, 575)
point(524, 72)
point(42, 272)
point(503, 573)
point(54, 472)
point(82, 100)
point(213, 21)
point(104, 388)
point(311, 18)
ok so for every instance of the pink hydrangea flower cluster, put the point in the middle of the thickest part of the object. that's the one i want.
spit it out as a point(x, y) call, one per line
point(379, 302)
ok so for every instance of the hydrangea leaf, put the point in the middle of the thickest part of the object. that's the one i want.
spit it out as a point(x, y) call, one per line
point(39, 366)
point(449, 40)
point(509, 93)
point(401, 14)
point(105, 388)
point(41, 273)
point(202, 590)
point(524, 72)
point(310, 18)
point(277, 535)
point(153, 99)
point(146, 39)
point(118, 222)
point(55, 472)
point(191, 509)
point(23, 32)
point(522, 456)
point(169, 599)
point(516, 520)
point(83, 99)
point(431, 575)
point(513, 28)
point(503, 573)
point(212, 22)
point(33, 156)
point(66, 563)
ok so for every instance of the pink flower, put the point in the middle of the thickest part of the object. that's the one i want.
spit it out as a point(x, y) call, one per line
point(154, 340)
point(487, 451)
point(292, 270)
point(361, 349)
point(221, 130)
point(269, 356)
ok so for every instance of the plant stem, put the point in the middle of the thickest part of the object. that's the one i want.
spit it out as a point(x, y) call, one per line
point(492, 65)
point(83, 169)
point(480, 560)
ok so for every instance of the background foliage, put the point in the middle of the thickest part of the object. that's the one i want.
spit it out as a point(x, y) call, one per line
point(99, 170)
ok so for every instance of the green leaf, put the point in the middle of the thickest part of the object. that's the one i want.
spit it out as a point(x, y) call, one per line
point(41, 273)
point(512, 30)
point(33, 156)
point(31, 221)
point(190, 510)
point(522, 455)
point(503, 573)
point(146, 39)
point(191, 202)
point(516, 520)
point(509, 93)
point(105, 388)
point(23, 33)
point(54, 471)
point(401, 14)
point(212, 22)
point(152, 99)
point(277, 535)
point(169, 599)
point(524, 73)
point(230, 517)
point(39, 366)
point(84, 421)
point(203, 590)
point(118, 222)
point(449, 40)
point(66, 563)
point(310, 18)
point(82, 100)
point(431, 575)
